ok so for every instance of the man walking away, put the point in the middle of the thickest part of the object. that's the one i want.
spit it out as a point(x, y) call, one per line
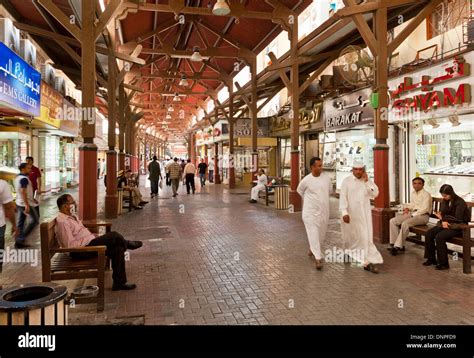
point(175, 174)
point(315, 189)
point(417, 212)
point(202, 172)
point(7, 211)
point(35, 178)
point(25, 204)
point(211, 171)
point(354, 204)
point(189, 172)
point(154, 171)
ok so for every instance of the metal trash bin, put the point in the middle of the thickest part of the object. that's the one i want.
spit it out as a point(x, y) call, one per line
point(34, 304)
point(282, 197)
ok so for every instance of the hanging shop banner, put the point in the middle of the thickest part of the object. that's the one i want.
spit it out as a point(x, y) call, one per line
point(20, 84)
point(437, 91)
point(243, 127)
point(348, 111)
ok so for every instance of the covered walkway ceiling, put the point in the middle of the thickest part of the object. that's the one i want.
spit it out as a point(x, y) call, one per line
point(169, 31)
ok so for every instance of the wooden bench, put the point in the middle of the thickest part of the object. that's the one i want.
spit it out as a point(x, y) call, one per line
point(125, 199)
point(57, 264)
point(269, 190)
point(466, 241)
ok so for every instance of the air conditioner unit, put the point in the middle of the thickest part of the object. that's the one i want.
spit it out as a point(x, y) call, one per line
point(60, 85)
point(48, 74)
point(327, 82)
point(28, 52)
point(9, 34)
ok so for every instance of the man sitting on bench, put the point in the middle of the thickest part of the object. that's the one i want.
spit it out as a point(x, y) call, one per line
point(72, 233)
point(417, 212)
point(261, 182)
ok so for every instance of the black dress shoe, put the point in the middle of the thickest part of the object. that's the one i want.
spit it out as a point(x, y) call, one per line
point(123, 287)
point(429, 262)
point(442, 267)
point(394, 251)
point(143, 203)
point(252, 201)
point(133, 245)
point(21, 245)
point(390, 247)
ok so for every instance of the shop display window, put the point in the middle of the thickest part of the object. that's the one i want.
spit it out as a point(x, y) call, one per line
point(14, 148)
point(445, 155)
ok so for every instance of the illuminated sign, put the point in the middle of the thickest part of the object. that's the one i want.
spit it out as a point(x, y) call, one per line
point(20, 83)
point(430, 97)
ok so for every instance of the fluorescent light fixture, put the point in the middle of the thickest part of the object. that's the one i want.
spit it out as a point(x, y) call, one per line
point(102, 5)
point(221, 8)
point(196, 56)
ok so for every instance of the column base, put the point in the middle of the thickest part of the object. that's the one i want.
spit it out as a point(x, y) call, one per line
point(111, 197)
point(295, 201)
point(231, 178)
point(380, 224)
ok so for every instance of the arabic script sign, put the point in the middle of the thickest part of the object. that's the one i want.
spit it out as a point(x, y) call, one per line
point(348, 110)
point(19, 83)
point(431, 98)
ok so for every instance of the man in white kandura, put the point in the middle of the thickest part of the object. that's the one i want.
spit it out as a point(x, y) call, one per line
point(315, 189)
point(261, 182)
point(417, 212)
point(354, 204)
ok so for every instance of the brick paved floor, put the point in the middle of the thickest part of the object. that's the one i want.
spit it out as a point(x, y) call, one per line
point(213, 258)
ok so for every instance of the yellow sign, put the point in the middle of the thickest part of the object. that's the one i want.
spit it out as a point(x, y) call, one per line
point(261, 142)
point(45, 118)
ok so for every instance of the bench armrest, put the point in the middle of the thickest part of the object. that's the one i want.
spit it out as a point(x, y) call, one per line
point(100, 249)
point(96, 223)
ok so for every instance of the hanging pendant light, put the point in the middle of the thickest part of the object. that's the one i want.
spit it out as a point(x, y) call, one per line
point(171, 108)
point(176, 98)
point(221, 8)
point(184, 81)
point(196, 56)
point(168, 116)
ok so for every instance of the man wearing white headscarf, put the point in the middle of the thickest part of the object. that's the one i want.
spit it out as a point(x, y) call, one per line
point(354, 204)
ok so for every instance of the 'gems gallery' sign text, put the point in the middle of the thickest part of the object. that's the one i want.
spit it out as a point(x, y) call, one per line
point(20, 83)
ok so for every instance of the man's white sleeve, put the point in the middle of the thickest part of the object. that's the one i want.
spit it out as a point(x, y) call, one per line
point(343, 199)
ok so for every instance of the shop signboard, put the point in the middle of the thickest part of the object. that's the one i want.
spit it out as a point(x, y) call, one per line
point(243, 127)
point(208, 135)
point(221, 130)
point(66, 124)
point(20, 84)
point(434, 92)
point(199, 138)
point(51, 105)
point(348, 111)
point(309, 120)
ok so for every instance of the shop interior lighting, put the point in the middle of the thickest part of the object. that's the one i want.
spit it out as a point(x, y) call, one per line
point(433, 122)
point(176, 98)
point(170, 108)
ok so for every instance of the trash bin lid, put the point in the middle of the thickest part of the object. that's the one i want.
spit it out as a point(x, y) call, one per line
point(31, 296)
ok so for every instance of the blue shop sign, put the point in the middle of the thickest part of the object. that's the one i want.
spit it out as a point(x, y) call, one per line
point(19, 83)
